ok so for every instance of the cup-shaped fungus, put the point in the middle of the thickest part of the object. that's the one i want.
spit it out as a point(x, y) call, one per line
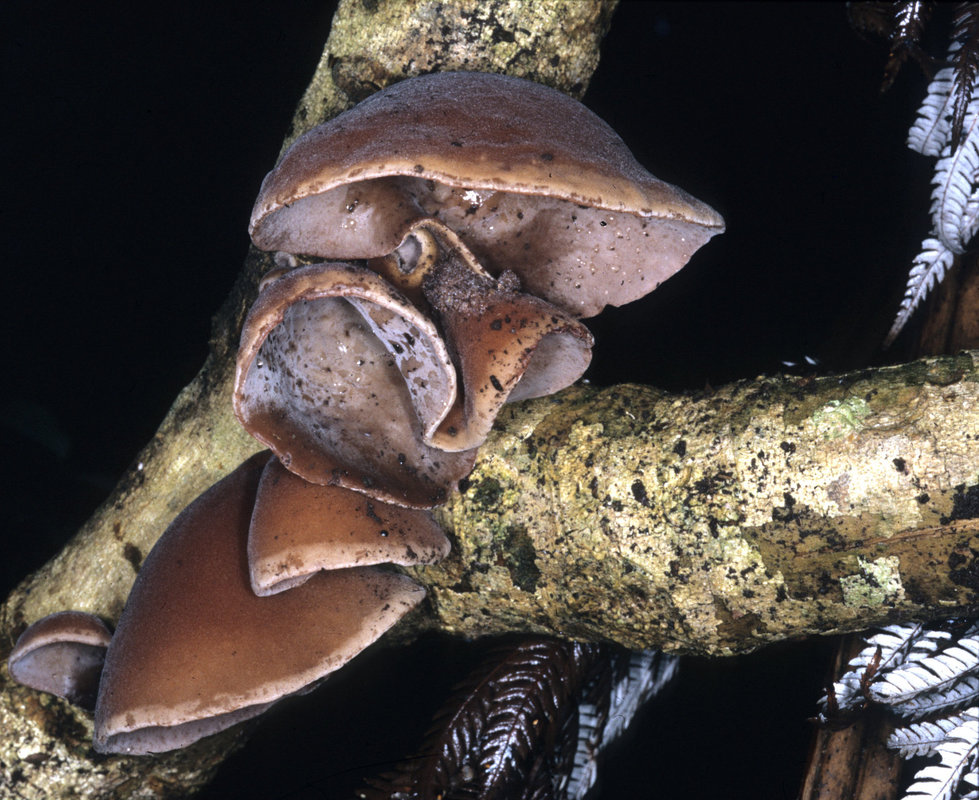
point(299, 528)
point(343, 378)
point(62, 654)
point(530, 180)
point(507, 345)
point(196, 651)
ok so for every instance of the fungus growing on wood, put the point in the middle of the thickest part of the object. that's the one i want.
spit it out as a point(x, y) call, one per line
point(484, 199)
point(491, 213)
point(507, 345)
point(530, 180)
point(196, 651)
point(299, 528)
point(343, 378)
point(62, 654)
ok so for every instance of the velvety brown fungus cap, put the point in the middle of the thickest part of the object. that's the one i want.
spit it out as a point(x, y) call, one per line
point(196, 650)
point(299, 528)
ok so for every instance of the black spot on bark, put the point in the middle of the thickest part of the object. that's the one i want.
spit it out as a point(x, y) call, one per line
point(965, 503)
point(963, 570)
point(521, 560)
point(133, 555)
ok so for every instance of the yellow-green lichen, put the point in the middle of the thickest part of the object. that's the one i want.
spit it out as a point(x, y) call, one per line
point(838, 418)
point(878, 583)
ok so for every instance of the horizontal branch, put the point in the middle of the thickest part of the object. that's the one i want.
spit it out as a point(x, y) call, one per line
point(716, 522)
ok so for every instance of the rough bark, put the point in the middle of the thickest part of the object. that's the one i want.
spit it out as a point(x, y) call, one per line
point(718, 522)
point(46, 746)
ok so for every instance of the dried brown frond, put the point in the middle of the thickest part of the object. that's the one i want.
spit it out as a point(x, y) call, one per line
point(508, 730)
point(965, 29)
point(901, 25)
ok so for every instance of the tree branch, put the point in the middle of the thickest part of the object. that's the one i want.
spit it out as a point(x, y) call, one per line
point(715, 523)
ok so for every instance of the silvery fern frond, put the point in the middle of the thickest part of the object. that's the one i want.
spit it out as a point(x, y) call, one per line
point(637, 677)
point(902, 643)
point(970, 784)
point(648, 672)
point(927, 270)
point(930, 132)
point(924, 738)
point(958, 758)
point(894, 644)
point(947, 128)
point(938, 674)
point(955, 197)
point(926, 704)
point(529, 722)
point(918, 671)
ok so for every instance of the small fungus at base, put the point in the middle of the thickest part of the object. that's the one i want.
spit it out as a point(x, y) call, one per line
point(62, 654)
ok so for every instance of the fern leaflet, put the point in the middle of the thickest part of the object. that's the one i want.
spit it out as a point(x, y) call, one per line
point(924, 738)
point(928, 269)
point(957, 763)
point(916, 672)
point(897, 644)
point(930, 132)
point(930, 674)
point(947, 128)
point(928, 703)
point(955, 198)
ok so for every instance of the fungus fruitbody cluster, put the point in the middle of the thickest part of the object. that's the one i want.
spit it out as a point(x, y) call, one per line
point(470, 221)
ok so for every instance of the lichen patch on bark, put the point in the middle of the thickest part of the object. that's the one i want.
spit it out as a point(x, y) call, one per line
point(717, 521)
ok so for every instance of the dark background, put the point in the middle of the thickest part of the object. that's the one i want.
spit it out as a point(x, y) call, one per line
point(134, 145)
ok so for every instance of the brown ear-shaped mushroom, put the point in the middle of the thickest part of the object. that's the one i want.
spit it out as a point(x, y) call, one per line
point(508, 345)
point(299, 528)
point(343, 378)
point(530, 179)
point(62, 654)
point(196, 651)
